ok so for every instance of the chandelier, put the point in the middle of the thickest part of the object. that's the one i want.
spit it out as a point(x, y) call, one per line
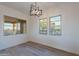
point(34, 10)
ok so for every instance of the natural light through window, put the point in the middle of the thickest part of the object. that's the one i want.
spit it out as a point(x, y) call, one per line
point(43, 26)
point(14, 26)
point(55, 25)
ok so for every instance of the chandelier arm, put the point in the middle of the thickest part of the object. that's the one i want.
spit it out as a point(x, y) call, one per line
point(34, 10)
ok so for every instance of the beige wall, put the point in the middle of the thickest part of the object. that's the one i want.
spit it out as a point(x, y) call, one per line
point(12, 40)
point(70, 29)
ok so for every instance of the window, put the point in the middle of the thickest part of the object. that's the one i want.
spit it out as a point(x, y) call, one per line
point(43, 26)
point(55, 25)
point(14, 26)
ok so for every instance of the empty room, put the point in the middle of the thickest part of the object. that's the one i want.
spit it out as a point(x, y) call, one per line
point(39, 28)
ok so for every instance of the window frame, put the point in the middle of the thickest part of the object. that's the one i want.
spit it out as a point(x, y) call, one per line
point(54, 22)
point(46, 28)
point(25, 25)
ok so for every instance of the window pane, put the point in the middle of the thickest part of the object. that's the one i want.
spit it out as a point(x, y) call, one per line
point(43, 26)
point(8, 28)
point(14, 26)
point(18, 28)
point(55, 26)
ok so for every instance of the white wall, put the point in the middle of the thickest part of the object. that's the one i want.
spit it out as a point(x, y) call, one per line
point(12, 40)
point(68, 41)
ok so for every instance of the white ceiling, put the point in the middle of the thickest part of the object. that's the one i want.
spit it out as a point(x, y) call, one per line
point(25, 6)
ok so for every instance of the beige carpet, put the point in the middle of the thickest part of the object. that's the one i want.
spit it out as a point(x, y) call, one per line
point(33, 49)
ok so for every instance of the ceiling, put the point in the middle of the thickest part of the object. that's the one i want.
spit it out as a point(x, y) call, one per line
point(25, 6)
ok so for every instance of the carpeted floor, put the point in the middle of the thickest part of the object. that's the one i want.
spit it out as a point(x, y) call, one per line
point(33, 49)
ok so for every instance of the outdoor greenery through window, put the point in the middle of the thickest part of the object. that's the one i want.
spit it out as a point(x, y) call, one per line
point(43, 26)
point(55, 25)
point(14, 26)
